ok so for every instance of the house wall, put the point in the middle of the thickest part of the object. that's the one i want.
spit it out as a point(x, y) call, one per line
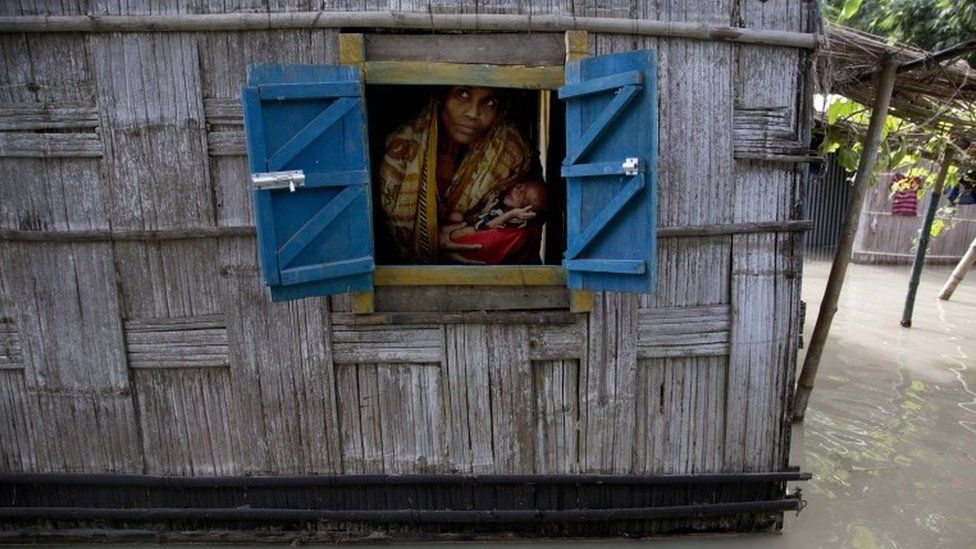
point(886, 238)
point(121, 352)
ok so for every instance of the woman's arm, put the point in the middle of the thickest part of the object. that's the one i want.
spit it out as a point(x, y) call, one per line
point(449, 249)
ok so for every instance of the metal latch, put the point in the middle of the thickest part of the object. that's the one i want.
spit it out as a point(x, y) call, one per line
point(278, 180)
point(631, 166)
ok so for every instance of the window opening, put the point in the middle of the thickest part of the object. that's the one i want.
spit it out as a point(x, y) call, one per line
point(397, 149)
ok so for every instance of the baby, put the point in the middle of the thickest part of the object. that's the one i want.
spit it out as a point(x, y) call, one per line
point(512, 207)
point(501, 227)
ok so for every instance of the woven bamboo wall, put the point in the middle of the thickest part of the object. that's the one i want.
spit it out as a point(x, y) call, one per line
point(163, 355)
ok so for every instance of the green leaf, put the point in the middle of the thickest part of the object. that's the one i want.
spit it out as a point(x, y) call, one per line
point(848, 158)
point(841, 108)
point(850, 8)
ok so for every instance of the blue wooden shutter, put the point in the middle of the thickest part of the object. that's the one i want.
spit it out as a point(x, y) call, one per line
point(611, 172)
point(316, 239)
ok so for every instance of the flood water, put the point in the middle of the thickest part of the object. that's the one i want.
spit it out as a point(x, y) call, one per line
point(890, 435)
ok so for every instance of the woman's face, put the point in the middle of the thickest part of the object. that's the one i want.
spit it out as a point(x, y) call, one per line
point(468, 113)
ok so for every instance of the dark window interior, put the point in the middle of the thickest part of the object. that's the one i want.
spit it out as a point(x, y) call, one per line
point(388, 107)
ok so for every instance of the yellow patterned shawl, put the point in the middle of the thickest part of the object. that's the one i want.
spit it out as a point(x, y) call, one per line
point(408, 183)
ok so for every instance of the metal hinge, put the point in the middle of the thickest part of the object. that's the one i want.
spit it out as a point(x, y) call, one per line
point(278, 180)
point(631, 166)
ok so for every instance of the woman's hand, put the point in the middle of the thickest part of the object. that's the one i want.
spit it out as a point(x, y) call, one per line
point(449, 248)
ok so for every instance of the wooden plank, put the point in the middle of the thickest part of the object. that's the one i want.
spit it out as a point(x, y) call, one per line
point(34, 116)
point(185, 421)
point(49, 145)
point(189, 342)
point(539, 49)
point(556, 384)
point(457, 275)
point(387, 345)
point(470, 298)
point(16, 446)
point(282, 377)
point(456, 74)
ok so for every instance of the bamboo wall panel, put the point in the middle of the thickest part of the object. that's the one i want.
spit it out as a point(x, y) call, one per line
point(16, 446)
point(189, 342)
point(557, 342)
point(275, 388)
point(695, 135)
point(466, 399)
point(785, 15)
point(489, 398)
point(391, 417)
point(380, 344)
point(11, 350)
point(157, 282)
point(224, 58)
point(683, 331)
point(691, 272)
point(681, 415)
point(556, 387)
point(183, 416)
point(609, 392)
point(765, 276)
point(84, 431)
point(47, 69)
point(282, 378)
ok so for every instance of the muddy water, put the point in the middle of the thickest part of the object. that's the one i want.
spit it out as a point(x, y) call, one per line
point(891, 431)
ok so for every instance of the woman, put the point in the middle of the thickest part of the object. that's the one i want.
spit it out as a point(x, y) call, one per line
point(456, 151)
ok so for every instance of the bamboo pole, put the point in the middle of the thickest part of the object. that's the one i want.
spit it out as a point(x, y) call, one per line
point(923, 239)
point(842, 258)
point(402, 20)
point(959, 272)
point(680, 231)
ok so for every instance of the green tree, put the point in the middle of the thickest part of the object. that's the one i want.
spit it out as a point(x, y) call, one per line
point(932, 25)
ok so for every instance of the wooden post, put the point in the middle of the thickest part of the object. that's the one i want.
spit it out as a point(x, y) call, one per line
point(923, 240)
point(842, 258)
point(959, 272)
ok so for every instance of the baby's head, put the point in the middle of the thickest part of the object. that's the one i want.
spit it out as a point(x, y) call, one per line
point(527, 193)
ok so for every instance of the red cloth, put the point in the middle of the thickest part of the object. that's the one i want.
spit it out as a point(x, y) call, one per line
point(505, 246)
point(905, 198)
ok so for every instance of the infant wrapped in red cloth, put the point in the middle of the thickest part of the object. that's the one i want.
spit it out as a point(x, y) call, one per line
point(507, 226)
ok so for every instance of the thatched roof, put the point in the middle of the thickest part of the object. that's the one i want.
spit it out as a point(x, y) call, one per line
point(939, 88)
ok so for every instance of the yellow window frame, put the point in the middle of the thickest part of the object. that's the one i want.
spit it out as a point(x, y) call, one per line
point(352, 51)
